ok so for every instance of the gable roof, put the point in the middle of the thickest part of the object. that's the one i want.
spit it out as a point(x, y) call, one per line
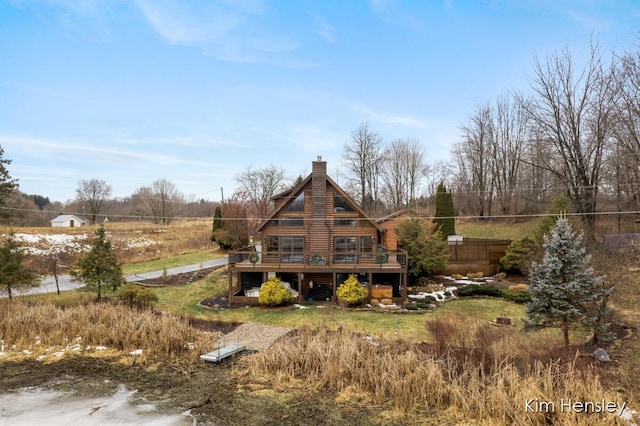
point(292, 193)
point(393, 215)
point(64, 218)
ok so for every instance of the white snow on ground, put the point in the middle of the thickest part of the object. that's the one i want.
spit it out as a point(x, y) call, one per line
point(439, 296)
point(35, 406)
point(44, 244)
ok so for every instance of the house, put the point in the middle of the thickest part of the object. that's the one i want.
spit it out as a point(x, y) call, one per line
point(66, 221)
point(317, 237)
point(388, 225)
point(466, 254)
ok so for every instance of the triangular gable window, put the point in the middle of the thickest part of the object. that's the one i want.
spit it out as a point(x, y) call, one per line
point(340, 204)
point(296, 205)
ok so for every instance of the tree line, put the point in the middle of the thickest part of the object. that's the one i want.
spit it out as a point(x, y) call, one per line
point(160, 202)
point(575, 132)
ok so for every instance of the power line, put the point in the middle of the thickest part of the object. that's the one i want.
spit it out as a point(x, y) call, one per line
point(255, 218)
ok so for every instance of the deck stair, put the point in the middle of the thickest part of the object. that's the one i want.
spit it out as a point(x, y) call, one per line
point(222, 353)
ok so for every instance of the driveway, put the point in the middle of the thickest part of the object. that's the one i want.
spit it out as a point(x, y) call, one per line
point(48, 284)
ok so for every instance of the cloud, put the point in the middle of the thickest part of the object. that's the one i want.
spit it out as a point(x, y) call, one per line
point(227, 30)
point(324, 29)
point(92, 153)
point(182, 23)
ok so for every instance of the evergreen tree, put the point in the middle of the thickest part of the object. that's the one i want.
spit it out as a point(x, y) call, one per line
point(99, 267)
point(427, 253)
point(559, 205)
point(217, 222)
point(444, 211)
point(564, 290)
point(7, 183)
point(13, 274)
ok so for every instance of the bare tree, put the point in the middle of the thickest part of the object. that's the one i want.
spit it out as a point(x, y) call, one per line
point(95, 194)
point(510, 132)
point(440, 171)
point(623, 171)
point(574, 112)
point(363, 154)
point(402, 170)
point(537, 184)
point(260, 185)
point(234, 232)
point(475, 158)
point(161, 201)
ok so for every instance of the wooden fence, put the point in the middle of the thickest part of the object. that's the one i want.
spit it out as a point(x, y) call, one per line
point(476, 255)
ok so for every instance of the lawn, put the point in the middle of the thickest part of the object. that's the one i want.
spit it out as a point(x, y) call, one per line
point(183, 300)
point(507, 229)
point(171, 262)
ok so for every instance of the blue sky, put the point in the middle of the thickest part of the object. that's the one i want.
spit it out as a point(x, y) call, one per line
point(131, 91)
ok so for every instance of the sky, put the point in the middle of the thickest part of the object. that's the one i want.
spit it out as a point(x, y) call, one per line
point(195, 92)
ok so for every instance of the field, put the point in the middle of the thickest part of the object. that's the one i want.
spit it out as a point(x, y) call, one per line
point(445, 366)
point(141, 246)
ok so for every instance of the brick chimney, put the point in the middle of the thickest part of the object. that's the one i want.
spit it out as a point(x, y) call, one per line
point(319, 232)
point(319, 189)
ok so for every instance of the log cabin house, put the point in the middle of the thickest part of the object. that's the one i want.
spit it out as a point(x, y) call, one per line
point(317, 237)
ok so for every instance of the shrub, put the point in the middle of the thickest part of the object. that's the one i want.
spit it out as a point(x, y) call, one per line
point(427, 300)
point(351, 291)
point(274, 293)
point(517, 257)
point(140, 297)
point(519, 287)
point(518, 296)
point(479, 290)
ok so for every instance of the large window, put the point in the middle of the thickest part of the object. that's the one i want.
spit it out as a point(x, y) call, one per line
point(285, 249)
point(345, 249)
point(292, 249)
point(296, 205)
point(351, 249)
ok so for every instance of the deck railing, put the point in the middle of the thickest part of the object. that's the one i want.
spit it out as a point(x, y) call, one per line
point(318, 259)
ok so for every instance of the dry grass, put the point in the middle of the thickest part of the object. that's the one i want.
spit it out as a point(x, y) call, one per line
point(133, 242)
point(45, 328)
point(487, 380)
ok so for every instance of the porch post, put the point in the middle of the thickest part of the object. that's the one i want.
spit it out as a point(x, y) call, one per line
point(334, 297)
point(301, 288)
point(370, 287)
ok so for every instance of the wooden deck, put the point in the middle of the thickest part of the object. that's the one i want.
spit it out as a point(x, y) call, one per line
point(259, 261)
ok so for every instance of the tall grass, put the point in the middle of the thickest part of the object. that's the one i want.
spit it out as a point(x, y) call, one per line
point(486, 381)
point(38, 327)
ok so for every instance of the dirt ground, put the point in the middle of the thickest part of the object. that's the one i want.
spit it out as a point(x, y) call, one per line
point(207, 391)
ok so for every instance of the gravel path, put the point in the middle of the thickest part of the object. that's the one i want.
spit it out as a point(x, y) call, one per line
point(253, 336)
